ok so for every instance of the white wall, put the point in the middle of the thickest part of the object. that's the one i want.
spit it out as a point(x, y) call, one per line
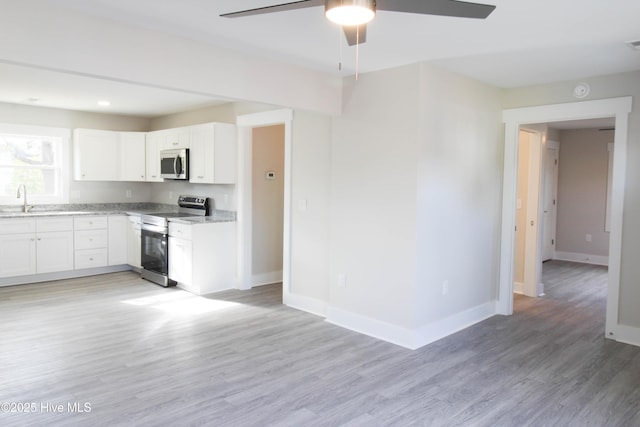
point(310, 197)
point(83, 191)
point(459, 196)
point(374, 164)
point(582, 191)
point(607, 87)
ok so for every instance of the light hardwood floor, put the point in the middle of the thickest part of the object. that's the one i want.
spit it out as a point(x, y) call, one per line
point(142, 355)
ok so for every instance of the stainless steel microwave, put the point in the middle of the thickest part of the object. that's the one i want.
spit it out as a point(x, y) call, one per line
point(174, 164)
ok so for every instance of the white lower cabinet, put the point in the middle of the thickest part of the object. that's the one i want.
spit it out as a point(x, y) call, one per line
point(134, 241)
point(17, 254)
point(54, 251)
point(202, 256)
point(46, 248)
point(180, 255)
point(117, 239)
point(91, 241)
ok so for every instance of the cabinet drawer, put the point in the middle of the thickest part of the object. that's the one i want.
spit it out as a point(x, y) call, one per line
point(90, 239)
point(177, 229)
point(90, 222)
point(90, 258)
point(17, 226)
point(54, 224)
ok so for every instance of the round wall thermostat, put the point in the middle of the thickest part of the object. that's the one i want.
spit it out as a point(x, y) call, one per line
point(581, 90)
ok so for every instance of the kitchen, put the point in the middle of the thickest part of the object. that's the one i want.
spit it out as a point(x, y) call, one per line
point(107, 174)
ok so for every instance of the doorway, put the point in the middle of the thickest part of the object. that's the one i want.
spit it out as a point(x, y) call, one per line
point(619, 108)
point(267, 202)
point(246, 125)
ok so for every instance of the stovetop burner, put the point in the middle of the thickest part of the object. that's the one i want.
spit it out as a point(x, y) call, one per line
point(189, 206)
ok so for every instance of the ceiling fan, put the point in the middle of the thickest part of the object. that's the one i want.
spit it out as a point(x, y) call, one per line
point(353, 15)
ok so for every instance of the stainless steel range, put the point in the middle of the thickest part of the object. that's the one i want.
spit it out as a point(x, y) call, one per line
point(155, 232)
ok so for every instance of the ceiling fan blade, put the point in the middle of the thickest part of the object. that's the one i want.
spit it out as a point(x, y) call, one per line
point(355, 34)
point(300, 4)
point(455, 8)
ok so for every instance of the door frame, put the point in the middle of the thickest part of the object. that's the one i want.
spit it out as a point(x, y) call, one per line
point(245, 124)
point(513, 119)
point(555, 145)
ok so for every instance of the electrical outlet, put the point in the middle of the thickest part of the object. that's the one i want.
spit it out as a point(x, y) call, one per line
point(170, 195)
point(128, 194)
point(589, 237)
point(342, 280)
point(445, 287)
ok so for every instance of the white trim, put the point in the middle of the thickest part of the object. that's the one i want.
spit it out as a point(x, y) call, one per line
point(627, 334)
point(614, 107)
point(266, 278)
point(582, 258)
point(304, 303)
point(372, 327)
point(70, 274)
point(63, 162)
point(518, 288)
point(410, 338)
point(452, 324)
point(245, 123)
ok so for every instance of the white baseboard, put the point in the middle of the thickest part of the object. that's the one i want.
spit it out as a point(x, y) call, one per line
point(301, 302)
point(583, 258)
point(518, 288)
point(452, 324)
point(628, 335)
point(410, 338)
point(62, 275)
point(371, 327)
point(266, 278)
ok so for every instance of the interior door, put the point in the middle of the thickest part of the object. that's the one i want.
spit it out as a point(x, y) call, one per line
point(550, 200)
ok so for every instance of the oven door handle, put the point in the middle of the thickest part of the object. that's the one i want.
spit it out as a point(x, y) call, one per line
point(154, 229)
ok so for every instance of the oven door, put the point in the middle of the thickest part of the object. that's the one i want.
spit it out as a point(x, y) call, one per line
point(154, 251)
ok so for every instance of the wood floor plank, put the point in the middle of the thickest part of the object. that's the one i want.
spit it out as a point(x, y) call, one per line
point(143, 355)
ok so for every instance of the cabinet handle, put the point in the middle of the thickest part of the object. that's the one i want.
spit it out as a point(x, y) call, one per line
point(90, 259)
point(39, 238)
point(200, 176)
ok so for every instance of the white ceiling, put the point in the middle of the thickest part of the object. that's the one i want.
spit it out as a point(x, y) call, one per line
point(524, 42)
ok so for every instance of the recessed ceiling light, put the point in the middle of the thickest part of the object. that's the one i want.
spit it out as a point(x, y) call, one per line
point(104, 103)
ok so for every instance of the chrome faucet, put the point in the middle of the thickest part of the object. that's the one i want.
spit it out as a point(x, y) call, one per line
point(25, 207)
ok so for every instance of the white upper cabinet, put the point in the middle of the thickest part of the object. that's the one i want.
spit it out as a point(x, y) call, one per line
point(132, 156)
point(213, 154)
point(175, 138)
point(153, 147)
point(103, 155)
point(96, 155)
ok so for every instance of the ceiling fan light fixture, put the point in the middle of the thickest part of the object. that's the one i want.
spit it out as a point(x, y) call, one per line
point(350, 12)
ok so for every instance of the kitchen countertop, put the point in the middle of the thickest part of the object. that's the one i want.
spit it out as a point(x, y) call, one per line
point(15, 211)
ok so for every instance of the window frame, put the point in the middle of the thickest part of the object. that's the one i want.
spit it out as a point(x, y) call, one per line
point(62, 162)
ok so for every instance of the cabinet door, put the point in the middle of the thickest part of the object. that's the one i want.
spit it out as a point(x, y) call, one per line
point(134, 242)
point(132, 156)
point(201, 154)
point(152, 164)
point(213, 157)
point(176, 138)
point(17, 254)
point(55, 251)
point(118, 225)
point(96, 155)
point(180, 256)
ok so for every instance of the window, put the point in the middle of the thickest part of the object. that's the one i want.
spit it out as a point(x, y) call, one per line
point(36, 157)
